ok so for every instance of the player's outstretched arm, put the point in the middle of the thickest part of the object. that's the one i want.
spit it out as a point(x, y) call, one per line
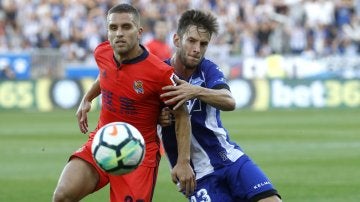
point(182, 172)
point(85, 106)
point(183, 91)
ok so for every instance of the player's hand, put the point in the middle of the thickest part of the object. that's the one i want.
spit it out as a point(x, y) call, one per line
point(183, 175)
point(179, 94)
point(165, 117)
point(82, 117)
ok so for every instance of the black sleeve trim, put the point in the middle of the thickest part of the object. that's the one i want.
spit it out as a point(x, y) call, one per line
point(263, 195)
point(221, 86)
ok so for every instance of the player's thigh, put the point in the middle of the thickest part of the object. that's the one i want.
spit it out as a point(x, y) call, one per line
point(137, 185)
point(247, 181)
point(78, 179)
point(213, 188)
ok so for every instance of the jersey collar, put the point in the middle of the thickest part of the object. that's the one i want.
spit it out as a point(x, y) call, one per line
point(197, 70)
point(137, 59)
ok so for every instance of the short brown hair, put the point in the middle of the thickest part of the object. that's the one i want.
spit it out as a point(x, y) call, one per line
point(198, 18)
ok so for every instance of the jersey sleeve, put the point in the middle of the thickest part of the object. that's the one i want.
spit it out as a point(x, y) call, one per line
point(215, 76)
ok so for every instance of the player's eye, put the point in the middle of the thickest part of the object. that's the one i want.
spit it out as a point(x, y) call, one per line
point(126, 26)
point(204, 44)
point(112, 27)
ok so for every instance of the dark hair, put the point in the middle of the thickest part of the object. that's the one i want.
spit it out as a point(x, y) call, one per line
point(126, 8)
point(198, 18)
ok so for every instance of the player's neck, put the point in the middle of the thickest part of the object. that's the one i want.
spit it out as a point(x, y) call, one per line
point(135, 52)
point(180, 69)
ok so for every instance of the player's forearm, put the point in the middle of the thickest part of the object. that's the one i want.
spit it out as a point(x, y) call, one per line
point(93, 92)
point(183, 130)
point(218, 98)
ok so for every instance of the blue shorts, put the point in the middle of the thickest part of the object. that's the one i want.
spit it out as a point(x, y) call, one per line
point(241, 181)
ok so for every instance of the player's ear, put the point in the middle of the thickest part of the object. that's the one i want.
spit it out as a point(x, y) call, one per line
point(140, 31)
point(176, 40)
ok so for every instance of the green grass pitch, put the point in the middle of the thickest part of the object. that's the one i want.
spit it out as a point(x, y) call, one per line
point(310, 155)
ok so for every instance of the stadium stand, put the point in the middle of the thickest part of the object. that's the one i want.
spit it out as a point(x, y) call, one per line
point(249, 28)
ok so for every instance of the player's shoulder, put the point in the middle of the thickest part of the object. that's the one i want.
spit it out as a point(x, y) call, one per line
point(102, 48)
point(157, 63)
point(206, 63)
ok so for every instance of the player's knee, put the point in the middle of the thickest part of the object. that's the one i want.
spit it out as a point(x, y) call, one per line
point(60, 195)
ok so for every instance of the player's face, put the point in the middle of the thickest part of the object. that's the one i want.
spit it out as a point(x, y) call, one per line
point(123, 33)
point(161, 30)
point(192, 46)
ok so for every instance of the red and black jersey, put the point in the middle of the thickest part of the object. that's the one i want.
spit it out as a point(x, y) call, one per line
point(130, 91)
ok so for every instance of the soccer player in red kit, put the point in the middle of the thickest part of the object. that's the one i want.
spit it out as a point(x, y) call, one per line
point(158, 45)
point(130, 82)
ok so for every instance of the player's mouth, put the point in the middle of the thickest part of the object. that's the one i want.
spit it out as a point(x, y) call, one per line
point(120, 42)
point(194, 59)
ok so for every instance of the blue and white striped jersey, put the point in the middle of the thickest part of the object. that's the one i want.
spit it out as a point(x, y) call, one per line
point(211, 147)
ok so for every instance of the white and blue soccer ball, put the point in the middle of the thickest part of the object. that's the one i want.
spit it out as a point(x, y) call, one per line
point(118, 148)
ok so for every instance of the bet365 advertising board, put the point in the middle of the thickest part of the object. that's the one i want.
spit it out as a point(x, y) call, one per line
point(264, 94)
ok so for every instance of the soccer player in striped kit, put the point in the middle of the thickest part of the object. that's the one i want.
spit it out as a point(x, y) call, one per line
point(224, 173)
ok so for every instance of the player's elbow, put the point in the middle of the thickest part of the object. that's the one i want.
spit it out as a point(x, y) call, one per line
point(229, 105)
point(228, 102)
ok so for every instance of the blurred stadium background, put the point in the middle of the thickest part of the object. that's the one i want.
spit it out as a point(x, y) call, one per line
point(293, 67)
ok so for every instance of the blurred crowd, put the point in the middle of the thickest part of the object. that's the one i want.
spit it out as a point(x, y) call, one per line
point(247, 27)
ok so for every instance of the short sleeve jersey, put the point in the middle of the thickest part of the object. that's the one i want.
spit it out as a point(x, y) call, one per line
point(130, 91)
point(211, 147)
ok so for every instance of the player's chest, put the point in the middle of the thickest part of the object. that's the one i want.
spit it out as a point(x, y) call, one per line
point(131, 82)
point(197, 80)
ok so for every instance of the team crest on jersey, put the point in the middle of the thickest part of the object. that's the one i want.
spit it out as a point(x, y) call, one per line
point(138, 87)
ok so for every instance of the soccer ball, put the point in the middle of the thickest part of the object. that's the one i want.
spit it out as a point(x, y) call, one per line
point(118, 148)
